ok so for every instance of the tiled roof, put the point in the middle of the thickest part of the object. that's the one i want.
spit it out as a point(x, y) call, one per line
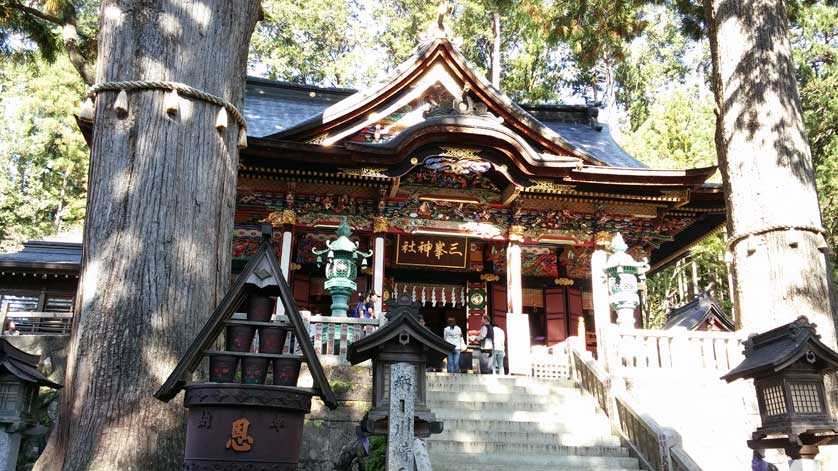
point(697, 311)
point(272, 106)
point(44, 254)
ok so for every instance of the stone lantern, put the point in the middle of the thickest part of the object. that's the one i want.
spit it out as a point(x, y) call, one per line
point(401, 340)
point(625, 275)
point(19, 383)
point(788, 365)
point(341, 256)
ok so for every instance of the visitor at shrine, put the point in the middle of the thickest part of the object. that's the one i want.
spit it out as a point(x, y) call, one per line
point(453, 335)
point(487, 345)
point(361, 308)
point(498, 353)
point(372, 298)
point(12, 330)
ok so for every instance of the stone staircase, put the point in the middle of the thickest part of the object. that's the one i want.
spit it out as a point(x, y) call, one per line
point(499, 423)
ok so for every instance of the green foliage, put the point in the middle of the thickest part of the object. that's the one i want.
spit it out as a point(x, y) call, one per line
point(321, 42)
point(377, 459)
point(43, 156)
point(815, 41)
point(656, 60)
point(678, 132)
point(34, 30)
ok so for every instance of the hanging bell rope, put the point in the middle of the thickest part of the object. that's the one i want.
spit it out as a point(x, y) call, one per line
point(176, 90)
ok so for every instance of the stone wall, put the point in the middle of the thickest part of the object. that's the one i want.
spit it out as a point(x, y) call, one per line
point(326, 432)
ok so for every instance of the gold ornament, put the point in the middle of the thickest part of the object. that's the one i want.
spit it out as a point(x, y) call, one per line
point(282, 218)
point(380, 224)
point(489, 277)
point(563, 282)
point(602, 239)
point(516, 233)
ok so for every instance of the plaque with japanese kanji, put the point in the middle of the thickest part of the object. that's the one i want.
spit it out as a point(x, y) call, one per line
point(431, 251)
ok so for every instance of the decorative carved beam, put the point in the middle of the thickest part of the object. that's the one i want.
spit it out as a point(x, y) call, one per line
point(510, 193)
point(394, 187)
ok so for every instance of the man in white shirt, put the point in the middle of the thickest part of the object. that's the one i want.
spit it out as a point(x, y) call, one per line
point(498, 352)
point(453, 335)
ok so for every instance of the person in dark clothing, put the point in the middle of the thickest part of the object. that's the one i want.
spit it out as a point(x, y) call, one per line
point(369, 312)
point(487, 345)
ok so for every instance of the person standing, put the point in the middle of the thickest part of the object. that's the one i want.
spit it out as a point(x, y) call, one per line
point(498, 352)
point(453, 335)
point(487, 345)
point(360, 310)
point(12, 330)
point(370, 313)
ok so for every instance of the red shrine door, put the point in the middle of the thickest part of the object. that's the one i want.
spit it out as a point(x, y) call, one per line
point(499, 307)
point(555, 311)
point(563, 308)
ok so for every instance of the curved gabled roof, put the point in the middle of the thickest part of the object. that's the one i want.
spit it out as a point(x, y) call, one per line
point(585, 140)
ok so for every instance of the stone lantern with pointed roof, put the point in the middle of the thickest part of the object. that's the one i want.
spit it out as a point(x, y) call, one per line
point(341, 271)
point(402, 340)
point(788, 365)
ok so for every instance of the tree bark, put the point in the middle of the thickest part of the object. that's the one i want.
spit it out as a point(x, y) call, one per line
point(767, 168)
point(156, 252)
point(495, 68)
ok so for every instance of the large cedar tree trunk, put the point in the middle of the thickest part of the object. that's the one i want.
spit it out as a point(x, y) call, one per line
point(157, 236)
point(767, 168)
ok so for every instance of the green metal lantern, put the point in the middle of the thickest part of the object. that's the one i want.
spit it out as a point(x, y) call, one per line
point(625, 276)
point(341, 270)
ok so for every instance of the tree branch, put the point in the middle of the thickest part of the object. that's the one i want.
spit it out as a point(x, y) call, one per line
point(37, 13)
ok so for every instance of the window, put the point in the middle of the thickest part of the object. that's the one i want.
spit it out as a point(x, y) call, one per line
point(9, 397)
point(775, 402)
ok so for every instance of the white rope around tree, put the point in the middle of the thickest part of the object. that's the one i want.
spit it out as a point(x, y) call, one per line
point(171, 104)
point(745, 235)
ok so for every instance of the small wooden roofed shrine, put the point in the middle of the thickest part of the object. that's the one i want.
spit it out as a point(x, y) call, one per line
point(22, 365)
point(702, 313)
point(42, 277)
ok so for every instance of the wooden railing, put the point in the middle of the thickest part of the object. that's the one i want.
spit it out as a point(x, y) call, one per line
point(657, 448)
point(39, 323)
point(674, 349)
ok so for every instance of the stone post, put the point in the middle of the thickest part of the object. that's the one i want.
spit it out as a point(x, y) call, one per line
point(400, 434)
point(599, 291)
point(9, 448)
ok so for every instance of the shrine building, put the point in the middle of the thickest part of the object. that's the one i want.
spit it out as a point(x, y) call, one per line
point(472, 204)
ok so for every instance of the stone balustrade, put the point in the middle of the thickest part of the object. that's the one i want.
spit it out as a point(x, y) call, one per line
point(658, 448)
point(629, 351)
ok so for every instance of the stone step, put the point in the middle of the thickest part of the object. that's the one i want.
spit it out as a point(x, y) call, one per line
point(497, 395)
point(593, 428)
point(516, 461)
point(469, 447)
point(534, 390)
point(439, 378)
point(441, 466)
point(575, 439)
point(569, 417)
point(577, 406)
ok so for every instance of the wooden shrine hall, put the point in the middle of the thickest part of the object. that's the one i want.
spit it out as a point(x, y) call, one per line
point(472, 204)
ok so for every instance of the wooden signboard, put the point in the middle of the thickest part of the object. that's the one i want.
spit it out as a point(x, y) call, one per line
point(431, 251)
